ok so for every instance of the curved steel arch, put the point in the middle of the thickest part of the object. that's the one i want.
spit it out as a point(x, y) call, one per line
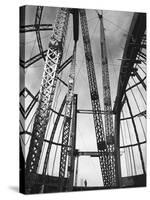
point(131, 58)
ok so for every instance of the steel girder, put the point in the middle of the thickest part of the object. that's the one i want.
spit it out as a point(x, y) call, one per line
point(135, 35)
point(130, 60)
point(25, 112)
point(33, 28)
point(72, 146)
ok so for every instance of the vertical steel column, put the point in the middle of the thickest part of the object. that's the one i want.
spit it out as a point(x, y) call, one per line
point(76, 173)
point(71, 157)
point(21, 169)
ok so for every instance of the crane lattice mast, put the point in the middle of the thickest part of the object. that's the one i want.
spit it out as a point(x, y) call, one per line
point(109, 132)
point(98, 122)
point(47, 89)
point(67, 121)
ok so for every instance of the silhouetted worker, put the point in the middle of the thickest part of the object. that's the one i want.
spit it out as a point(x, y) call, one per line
point(85, 183)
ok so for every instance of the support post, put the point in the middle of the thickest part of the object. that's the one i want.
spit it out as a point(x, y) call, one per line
point(76, 174)
point(71, 160)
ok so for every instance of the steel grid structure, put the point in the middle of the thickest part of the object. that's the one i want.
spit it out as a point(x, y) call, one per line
point(136, 40)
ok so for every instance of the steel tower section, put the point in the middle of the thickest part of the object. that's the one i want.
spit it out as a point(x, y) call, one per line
point(67, 121)
point(98, 122)
point(47, 89)
point(109, 132)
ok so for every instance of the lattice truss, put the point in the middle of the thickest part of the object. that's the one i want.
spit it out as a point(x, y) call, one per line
point(36, 32)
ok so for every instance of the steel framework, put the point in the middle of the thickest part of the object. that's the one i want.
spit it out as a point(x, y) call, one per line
point(53, 59)
point(108, 139)
point(33, 28)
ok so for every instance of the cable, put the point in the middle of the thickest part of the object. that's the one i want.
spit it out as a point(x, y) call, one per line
point(123, 30)
point(109, 52)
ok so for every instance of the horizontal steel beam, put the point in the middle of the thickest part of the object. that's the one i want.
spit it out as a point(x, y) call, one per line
point(143, 113)
point(45, 140)
point(83, 111)
point(93, 153)
point(132, 145)
point(33, 27)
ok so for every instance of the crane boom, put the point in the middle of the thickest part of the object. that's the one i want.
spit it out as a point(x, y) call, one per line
point(98, 122)
point(47, 89)
point(67, 120)
point(109, 132)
